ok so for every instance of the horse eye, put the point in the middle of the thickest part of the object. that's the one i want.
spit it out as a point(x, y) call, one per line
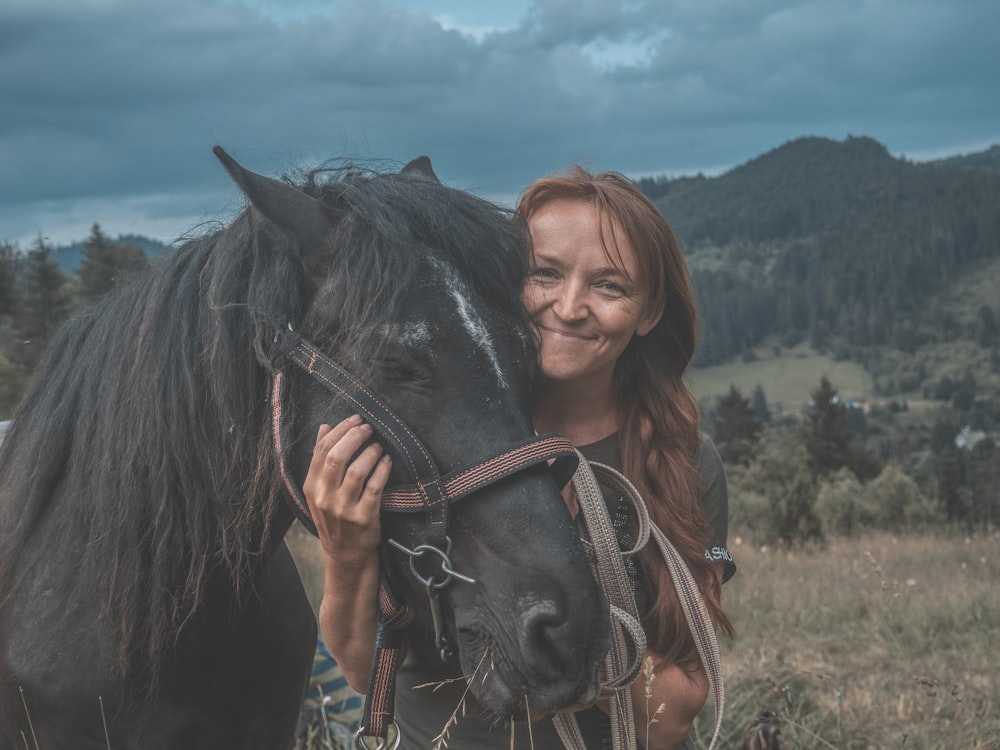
point(398, 374)
point(403, 372)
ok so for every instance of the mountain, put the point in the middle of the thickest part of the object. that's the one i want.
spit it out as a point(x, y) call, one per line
point(988, 160)
point(837, 243)
point(69, 257)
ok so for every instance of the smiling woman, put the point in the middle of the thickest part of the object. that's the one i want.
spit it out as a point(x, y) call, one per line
point(585, 304)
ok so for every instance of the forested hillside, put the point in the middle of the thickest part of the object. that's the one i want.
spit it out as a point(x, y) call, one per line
point(836, 242)
point(836, 251)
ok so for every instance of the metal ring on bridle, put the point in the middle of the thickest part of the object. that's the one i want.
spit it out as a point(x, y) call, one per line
point(419, 551)
point(390, 742)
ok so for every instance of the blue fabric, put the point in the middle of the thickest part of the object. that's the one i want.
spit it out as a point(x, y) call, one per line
point(330, 703)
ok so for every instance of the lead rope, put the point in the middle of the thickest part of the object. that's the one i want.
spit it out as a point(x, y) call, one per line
point(628, 642)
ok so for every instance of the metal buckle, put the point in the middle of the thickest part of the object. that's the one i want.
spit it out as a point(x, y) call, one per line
point(389, 742)
point(429, 581)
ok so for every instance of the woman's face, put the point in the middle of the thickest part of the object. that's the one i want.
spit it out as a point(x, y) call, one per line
point(584, 306)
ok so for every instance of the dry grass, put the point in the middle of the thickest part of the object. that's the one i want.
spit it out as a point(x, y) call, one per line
point(876, 642)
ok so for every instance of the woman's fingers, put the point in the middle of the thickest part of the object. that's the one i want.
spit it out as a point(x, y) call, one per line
point(357, 470)
point(372, 496)
point(346, 477)
point(328, 437)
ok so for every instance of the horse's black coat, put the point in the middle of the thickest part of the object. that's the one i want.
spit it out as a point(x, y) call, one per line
point(143, 582)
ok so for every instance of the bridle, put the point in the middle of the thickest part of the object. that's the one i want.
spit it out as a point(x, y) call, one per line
point(428, 492)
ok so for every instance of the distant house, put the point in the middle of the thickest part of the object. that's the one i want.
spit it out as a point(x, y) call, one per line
point(847, 403)
point(856, 403)
point(969, 438)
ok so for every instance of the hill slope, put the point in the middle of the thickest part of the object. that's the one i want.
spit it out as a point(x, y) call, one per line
point(837, 244)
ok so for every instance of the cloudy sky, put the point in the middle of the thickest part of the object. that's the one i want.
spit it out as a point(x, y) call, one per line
point(109, 108)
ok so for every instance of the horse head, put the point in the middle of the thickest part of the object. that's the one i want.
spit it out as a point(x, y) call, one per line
point(414, 291)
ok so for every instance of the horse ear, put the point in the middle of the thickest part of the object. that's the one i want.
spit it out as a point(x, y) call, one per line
point(420, 166)
point(303, 217)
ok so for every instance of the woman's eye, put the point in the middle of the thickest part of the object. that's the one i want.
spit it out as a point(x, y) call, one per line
point(611, 287)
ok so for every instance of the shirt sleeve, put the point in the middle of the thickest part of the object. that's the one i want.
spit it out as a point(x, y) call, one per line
point(715, 505)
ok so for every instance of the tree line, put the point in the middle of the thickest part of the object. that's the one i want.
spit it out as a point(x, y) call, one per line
point(36, 297)
point(822, 476)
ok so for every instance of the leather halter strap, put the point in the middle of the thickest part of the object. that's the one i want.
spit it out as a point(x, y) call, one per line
point(428, 491)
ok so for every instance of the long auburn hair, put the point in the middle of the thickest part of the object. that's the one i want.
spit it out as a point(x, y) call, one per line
point(659, 417)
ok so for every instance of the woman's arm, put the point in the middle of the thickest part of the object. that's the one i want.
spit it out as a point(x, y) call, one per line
point(344, 497)
point(682, 692)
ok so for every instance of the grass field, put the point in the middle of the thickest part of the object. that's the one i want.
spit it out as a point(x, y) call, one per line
point(787, 380)
point(873, 642)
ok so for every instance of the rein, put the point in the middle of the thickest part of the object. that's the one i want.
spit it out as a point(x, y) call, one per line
point(428, 492)
point(628, 642)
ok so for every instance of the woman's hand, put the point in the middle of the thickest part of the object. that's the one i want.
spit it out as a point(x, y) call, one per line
point(344, 491)
point(344, 495)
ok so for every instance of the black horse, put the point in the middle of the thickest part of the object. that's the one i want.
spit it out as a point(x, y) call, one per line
point(148, 600)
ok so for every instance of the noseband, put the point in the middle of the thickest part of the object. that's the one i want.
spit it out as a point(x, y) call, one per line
point(428, 492)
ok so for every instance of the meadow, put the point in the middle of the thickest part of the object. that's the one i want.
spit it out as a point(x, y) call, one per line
point(878, 641)
point(787, 378)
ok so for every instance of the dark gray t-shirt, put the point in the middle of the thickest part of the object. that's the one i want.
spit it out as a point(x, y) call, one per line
point(422, 712)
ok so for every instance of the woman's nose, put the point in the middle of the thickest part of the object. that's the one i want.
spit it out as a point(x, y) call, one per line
point(570, 303)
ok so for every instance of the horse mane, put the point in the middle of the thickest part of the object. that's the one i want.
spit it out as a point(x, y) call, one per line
point(144, 436)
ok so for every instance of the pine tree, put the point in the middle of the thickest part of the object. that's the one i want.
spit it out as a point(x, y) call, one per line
point(987, 333)
point(781, 490)
point(826, 432)
point(9, 260)
point(760, 407)
point(965, 393)
point(949, 481)
point(736, 429)
point(105, 262)
point(983, 480)
point(43, 304)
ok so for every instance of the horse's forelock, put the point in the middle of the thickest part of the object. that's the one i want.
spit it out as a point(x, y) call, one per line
point(397, 226)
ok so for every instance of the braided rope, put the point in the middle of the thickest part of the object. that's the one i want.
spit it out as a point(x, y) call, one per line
point(623, 662)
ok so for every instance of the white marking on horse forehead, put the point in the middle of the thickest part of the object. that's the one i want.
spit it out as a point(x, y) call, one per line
point(415, 333)
point(473, 323)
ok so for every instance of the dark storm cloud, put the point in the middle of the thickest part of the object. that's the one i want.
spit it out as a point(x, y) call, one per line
point(112, 105)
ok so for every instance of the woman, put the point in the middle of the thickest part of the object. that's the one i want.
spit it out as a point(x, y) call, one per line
point(612, 307)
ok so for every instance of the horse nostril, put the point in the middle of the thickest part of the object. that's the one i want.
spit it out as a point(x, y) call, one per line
point(544, 634)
